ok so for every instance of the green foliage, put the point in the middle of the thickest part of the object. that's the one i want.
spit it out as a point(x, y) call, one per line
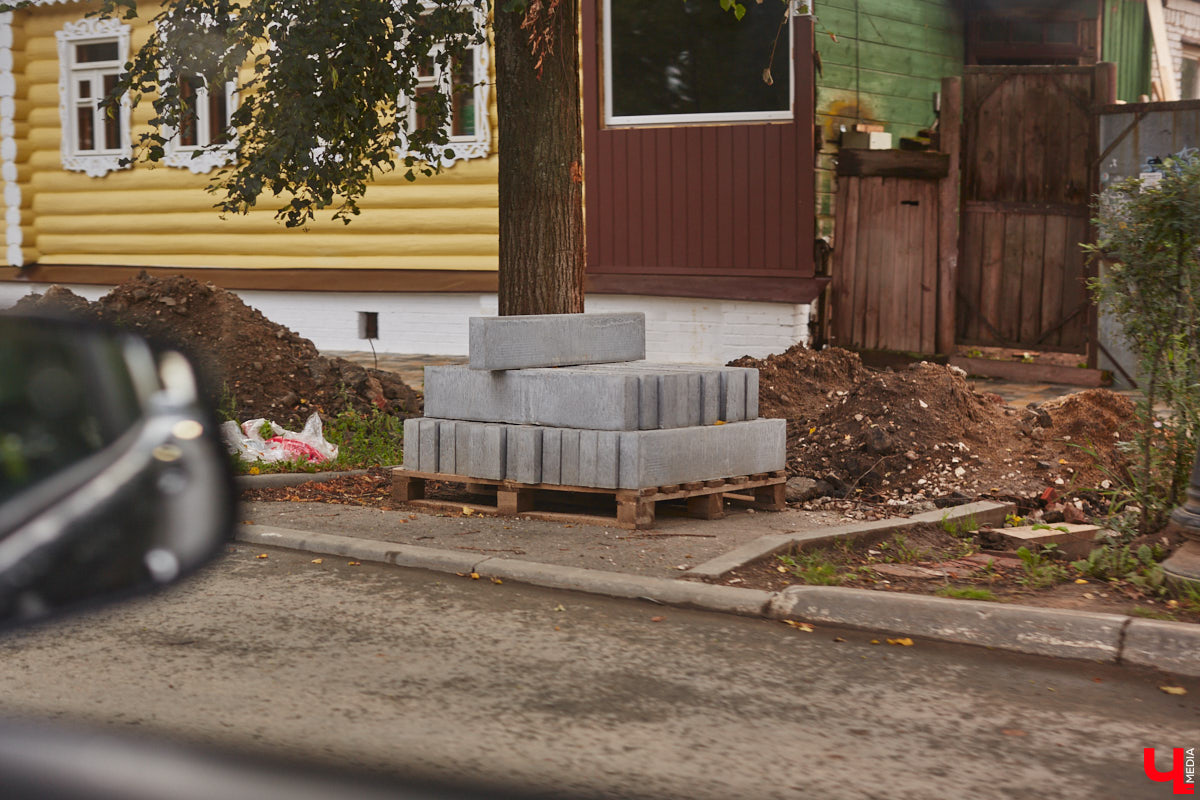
point(960, 527)
point(227, 407)
point(1040, 568)
point(1149, 237)
point(898, 550)
point(815, 569)
point(366, 440)
point(967, 593)
point(1013, 520)
point(1119, 563)
point(321, 112)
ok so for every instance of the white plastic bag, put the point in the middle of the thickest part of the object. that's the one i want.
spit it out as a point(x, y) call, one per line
point(307, 444)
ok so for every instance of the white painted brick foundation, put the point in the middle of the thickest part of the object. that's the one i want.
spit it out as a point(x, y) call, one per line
point(677, 328)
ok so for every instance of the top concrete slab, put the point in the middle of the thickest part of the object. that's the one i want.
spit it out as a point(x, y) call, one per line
point(555, 340)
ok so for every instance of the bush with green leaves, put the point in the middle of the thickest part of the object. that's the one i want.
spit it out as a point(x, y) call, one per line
point(1139, 567)
point(1149, 243)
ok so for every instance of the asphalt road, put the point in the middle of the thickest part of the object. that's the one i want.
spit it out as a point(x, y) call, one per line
point(374, 667)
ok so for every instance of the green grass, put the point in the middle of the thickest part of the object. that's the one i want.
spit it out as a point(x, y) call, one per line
point(813, 568)
point(1151, 613)
point(967, 593)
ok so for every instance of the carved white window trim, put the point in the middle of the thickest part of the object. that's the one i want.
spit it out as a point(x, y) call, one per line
point(464, 147)
point(196, 158)
point(99, 164)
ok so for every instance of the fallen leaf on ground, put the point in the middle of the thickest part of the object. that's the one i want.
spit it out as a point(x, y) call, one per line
point(353, 563)
point(1014, 732)
point(316, 561)
point(1080, 580)
point(559, 607)
point(838, 639)
point(801, 626)
point(657, 619)
point(261, 555)
point(781, 569)
point(474, 576)
point(1179, 690)
point(903, 642)
point(497, 580)
point(874, 641)
point(247, 522)
point(467, 512)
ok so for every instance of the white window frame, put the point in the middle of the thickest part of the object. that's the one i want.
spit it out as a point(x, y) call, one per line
point(723, 117)
point(94, 163)
point(194, 157)
point(465, 147)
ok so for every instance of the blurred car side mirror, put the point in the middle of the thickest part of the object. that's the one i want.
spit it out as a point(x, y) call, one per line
point(113, 479)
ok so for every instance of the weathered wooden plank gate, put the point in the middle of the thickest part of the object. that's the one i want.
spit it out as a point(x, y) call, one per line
point(1014, 276)
point(1029, 146)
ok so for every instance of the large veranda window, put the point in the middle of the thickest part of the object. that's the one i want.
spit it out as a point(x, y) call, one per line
point(692, 62)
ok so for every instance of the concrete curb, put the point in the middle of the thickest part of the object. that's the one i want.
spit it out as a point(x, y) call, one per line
point(1023, 629)
point(984, 512)
point(1168, 646)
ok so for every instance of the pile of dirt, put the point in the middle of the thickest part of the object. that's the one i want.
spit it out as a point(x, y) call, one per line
point(926, 434)
point(258, 367)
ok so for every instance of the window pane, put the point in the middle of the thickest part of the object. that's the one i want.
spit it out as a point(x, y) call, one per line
point(84, 129)
point(218, 115)
point(85, 89)
point(112, 123)
point(463, 112)
point(187, 111)
point(1190, 79)
point(96, 51)
point(418, 104)
point(693, 58)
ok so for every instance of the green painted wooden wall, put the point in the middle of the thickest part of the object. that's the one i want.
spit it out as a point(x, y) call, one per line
point(1126, 42)
point(881, 62)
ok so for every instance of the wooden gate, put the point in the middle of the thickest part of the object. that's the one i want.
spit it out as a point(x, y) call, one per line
point(1029, 146)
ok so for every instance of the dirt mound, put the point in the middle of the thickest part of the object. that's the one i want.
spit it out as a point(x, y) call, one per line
point(925, 433)
point(260, 368)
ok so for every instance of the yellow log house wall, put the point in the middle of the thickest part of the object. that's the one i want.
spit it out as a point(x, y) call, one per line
point(160, 216)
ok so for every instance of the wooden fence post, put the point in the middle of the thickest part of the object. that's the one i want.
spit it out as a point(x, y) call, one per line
point(950, 142)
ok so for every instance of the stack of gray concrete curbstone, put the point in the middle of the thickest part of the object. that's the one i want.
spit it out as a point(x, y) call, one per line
point(565, 399)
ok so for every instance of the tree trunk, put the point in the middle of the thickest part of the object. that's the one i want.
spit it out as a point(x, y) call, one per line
point(541, 166)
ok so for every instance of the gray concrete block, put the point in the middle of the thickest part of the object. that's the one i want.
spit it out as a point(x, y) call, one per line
point(588, 444)
point(570, 457)
point(710, 397)
point(751, 394)
point(524, 454)
point(489, 461)
point(733, 396)
point(429, 446)
point(446, 447)
point(553, 340)
point(607, 459)
point(462, 448)
point(412, 443)
point(564, 398)
point(680, 455)
point(475, 446)
point(673, 401)
point(552, 455)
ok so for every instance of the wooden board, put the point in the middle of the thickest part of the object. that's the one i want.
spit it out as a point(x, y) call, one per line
point(635, 507)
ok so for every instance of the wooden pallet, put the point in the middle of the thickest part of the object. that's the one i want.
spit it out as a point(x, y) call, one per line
point(635, 507)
